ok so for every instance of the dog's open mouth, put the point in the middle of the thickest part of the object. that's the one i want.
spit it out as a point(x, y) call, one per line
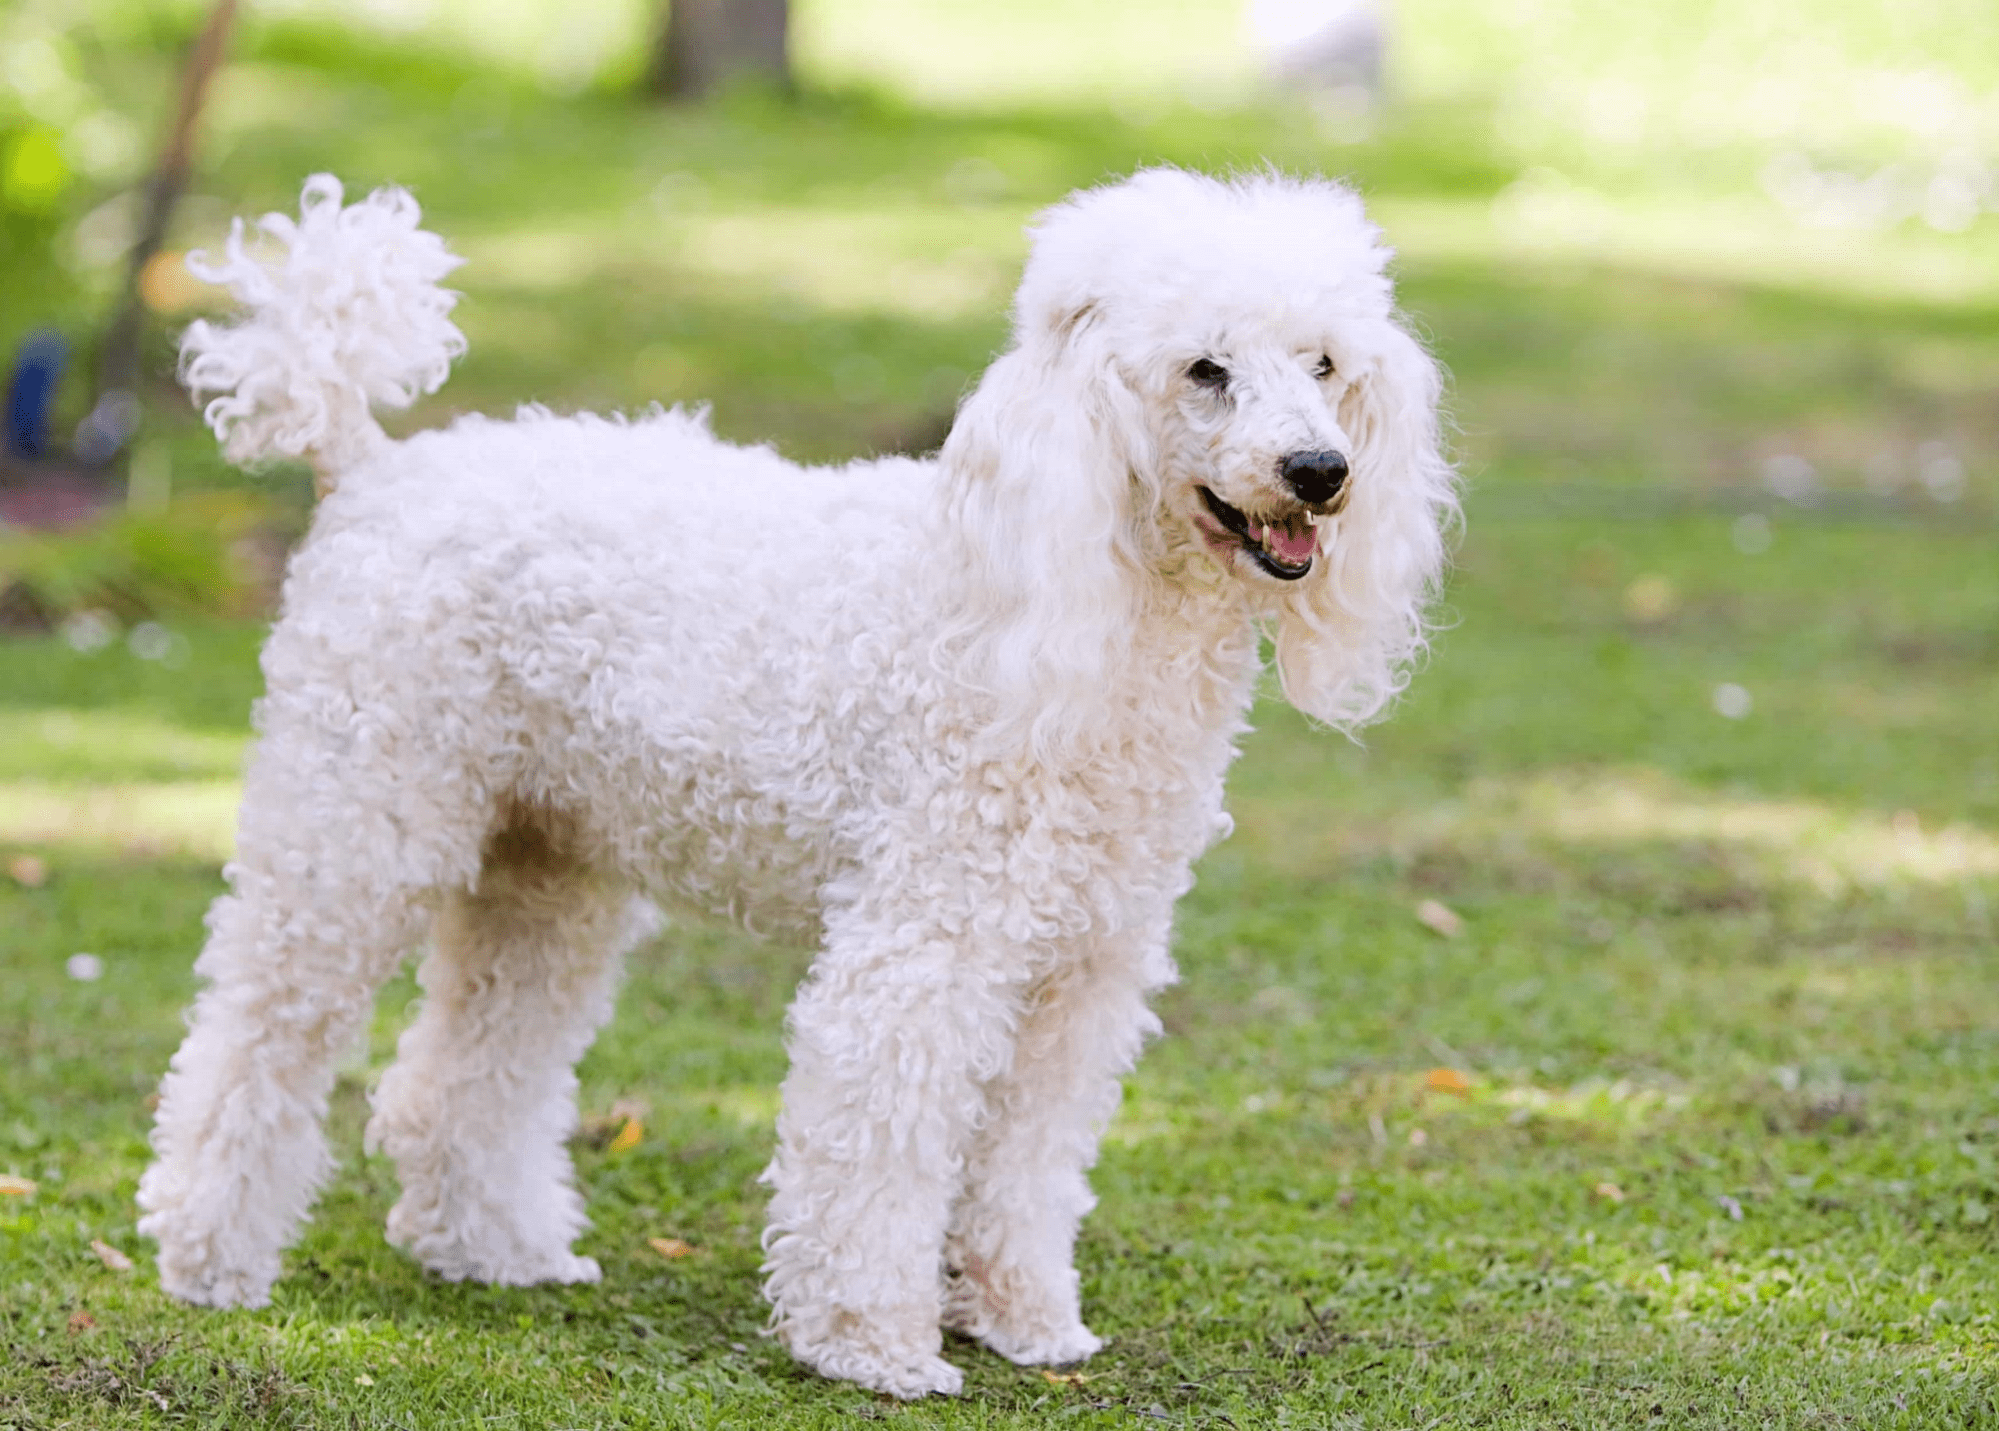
point(1284, 548)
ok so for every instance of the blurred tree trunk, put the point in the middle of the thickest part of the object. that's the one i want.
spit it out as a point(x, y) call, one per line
point(706, 42)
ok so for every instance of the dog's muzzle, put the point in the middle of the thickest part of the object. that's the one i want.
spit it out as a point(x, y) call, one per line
point(1283, 548)
point(1316, 477)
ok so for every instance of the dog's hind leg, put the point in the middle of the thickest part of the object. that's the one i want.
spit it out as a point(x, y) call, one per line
point(328, 893)
point(1011, 1281)
point(482, 1096)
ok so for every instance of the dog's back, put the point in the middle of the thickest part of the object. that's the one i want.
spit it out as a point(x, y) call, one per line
point(600, 614)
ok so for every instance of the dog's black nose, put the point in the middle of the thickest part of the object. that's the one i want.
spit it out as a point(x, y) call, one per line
point(1315, 476)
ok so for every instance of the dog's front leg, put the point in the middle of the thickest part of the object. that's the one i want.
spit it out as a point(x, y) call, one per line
point(892, 1037)
point(1012, 1280)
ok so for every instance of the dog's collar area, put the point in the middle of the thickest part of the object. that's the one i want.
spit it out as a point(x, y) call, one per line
point(1259, 538)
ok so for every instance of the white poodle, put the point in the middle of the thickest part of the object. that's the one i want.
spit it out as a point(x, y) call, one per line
point(961, 722)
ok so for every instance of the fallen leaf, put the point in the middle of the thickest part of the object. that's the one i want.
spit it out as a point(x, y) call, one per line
point(1446, 1080)
point(670, 1246)
point(1440, 919)
point(628, 1136)
point(81, 1322)
point(111, 1257)
point(28, 872)
point(1065, 1378)
point(11, 1186)
point(599, 1129)
point(1609, 1192)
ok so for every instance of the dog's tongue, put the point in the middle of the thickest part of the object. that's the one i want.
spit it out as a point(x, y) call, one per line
point(1291, 548)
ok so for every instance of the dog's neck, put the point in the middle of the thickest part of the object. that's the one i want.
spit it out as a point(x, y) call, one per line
point(1078, 634)
point(1198, 639)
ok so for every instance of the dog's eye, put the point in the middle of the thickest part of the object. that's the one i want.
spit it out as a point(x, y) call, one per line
point(1323, 368)
point(1208, 373)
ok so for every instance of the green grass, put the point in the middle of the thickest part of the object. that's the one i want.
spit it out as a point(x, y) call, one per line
point(1727, 997)
point(1704, 961)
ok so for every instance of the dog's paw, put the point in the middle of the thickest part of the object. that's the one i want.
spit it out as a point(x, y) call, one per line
point(458, 1263)
point(200, 1264)
point(218, 1287)
point(574, 1270)
point(563, 1269)
point(1043, 1346)
point(879, 1356)
point(1029, 1321)
point(911, 1381)
point(467, 1247)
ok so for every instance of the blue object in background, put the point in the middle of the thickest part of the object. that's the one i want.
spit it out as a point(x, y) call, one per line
point(31, 392)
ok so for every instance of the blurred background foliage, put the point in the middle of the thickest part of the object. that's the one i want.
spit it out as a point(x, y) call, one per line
point(1733, 253)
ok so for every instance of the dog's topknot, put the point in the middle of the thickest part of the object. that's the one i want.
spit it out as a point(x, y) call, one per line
point(1166, 241)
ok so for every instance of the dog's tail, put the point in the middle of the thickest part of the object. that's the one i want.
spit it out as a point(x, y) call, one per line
point(350, 318)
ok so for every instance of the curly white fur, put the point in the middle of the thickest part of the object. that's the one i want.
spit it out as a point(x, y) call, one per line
point(352, 318)
point(964, 722)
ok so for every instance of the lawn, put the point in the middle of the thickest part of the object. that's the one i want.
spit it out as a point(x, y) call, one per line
point(1694, 1121)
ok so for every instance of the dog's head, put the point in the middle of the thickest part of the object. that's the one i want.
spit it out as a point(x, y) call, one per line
point(1208, 389)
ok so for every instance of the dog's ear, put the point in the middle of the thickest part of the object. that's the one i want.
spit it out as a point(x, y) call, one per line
point(1346, 637)
point(1040, 470)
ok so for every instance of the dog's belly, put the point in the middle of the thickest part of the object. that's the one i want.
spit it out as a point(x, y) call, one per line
point(759, 874)
point(696, 828)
